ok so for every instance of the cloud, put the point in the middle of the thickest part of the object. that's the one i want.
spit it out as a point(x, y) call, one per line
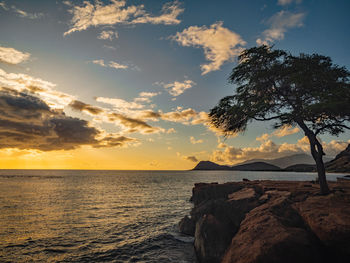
point(171, 130)
point(99, 62)
point(116, 12)
point(20, 12)
point(120, 104)
point(81, 106)
point(3, 6)
point(111, 64)
point(12, 56)
point(116, 65)
point(194, 141)
point(127, 123)
point(149, 94)
point(170, 12)
point(133, 124)
point(270, 150)
point(176, 88)
point(263, 137)
point(27, 122)
point(108, 35)
point(219, 43)
point(287, 2)
point(190, 158)
point(45, 90)
point(285, 131)
point(281, 132)
point(183, 116)
point(37, 86)
point(279, 24)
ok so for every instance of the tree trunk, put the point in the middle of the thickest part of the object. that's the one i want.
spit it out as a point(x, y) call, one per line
point(317, 153)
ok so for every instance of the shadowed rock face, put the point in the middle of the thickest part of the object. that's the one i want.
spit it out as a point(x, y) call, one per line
point(328, 217)
point(271, 221)
point(341, 162)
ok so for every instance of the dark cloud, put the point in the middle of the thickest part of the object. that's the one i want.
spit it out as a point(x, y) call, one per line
point(134, 125)
point(81, 106)
point(27, 122)
point(191, 158)
point(149, 114)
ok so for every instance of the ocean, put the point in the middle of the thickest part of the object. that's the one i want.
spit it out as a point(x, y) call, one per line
point(104, 216)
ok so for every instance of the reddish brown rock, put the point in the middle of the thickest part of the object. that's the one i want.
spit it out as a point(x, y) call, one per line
point(203, 191)
point(271, 221)
point(272, 232)
point(328, 217)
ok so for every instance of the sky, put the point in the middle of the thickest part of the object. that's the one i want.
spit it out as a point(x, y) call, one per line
point(128, 85)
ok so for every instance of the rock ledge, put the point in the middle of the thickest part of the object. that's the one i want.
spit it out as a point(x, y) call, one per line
point(270, 221)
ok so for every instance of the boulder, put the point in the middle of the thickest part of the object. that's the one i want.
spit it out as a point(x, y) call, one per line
point(273, 232)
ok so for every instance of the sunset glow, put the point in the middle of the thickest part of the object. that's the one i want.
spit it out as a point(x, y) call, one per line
point(129, 84)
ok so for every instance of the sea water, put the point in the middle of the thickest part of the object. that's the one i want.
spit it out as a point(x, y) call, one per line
point(104, 216)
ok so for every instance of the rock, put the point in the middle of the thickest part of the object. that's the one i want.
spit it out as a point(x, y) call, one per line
point(187, 226)
point(246, 193)
point(202, 192)
point(213, 215)
point(270, 221)
point(341, 163)
point(211, 239)
point(328, 217)
point(272, 232)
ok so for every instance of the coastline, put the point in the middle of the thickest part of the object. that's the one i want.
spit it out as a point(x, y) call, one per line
point(269, 221)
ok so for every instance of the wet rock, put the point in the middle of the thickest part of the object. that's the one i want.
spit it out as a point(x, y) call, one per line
point(187, 226)
point(211, 239)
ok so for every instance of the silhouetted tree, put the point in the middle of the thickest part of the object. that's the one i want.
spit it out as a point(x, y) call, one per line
point(305, 90)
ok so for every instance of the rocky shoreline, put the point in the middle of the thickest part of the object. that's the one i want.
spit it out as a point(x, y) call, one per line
point(269, 221)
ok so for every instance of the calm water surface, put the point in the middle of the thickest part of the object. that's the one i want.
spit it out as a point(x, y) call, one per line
point(103, 216)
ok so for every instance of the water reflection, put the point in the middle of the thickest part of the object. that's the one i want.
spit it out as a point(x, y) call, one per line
point(95, 216)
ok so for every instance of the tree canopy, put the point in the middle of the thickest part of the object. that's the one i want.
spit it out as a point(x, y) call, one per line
point(273, 85)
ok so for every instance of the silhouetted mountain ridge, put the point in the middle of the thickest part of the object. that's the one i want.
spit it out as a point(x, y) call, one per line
point(296, 163)
point(256, 166)
point(283, 162)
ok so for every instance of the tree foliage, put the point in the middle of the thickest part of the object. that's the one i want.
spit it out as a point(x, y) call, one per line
point(306, 90)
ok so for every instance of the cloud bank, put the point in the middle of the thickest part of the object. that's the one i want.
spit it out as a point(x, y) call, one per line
point(27, 122)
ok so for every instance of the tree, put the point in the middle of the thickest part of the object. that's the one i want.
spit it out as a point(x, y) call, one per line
point(305, 90)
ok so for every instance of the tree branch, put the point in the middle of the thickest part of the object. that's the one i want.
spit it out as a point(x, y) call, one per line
point(331, 125)
point(267, 119)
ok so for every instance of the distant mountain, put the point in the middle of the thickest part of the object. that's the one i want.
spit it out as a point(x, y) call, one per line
point(207, 165)
point(257, 166)
point(296, 163)
point(301, 168)
point(290, 160)
point(341, 163)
